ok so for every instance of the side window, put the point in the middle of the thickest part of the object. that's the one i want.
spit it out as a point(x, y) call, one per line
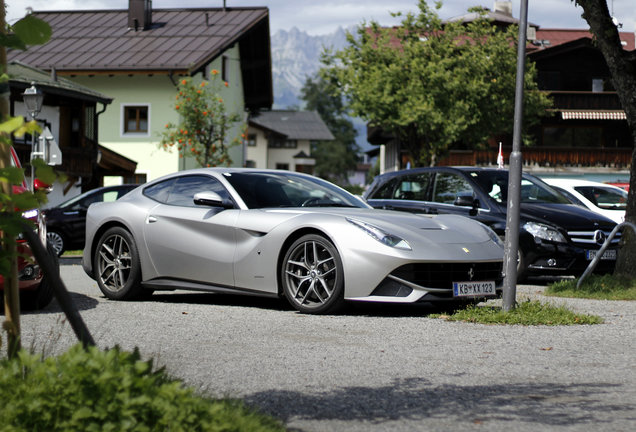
point(413, 187)
point(160, 191)
point(449, 186)
point(385, 191)
point(110, 196)
point(184, 189)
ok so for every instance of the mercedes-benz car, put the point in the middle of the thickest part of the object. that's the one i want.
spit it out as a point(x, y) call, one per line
point(556, 237)
point(280, 233)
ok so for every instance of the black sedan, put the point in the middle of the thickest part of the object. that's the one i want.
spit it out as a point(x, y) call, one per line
point(556, 237)
point(66, 223)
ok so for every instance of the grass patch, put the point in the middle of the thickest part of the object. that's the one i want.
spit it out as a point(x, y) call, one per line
point(599, 287)
point(526, 313)
point(72, 253)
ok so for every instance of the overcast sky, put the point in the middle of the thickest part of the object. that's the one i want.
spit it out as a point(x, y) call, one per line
point(318, 17)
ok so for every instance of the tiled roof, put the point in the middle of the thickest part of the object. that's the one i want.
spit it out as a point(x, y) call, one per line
point(553, 37)
point(177, 40)
point(293, 124)
point(21, 75)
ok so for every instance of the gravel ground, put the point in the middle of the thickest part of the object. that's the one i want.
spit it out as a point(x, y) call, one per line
point(372, 368)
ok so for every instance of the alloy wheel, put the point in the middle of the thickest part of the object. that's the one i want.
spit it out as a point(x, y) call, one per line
point(311, 274)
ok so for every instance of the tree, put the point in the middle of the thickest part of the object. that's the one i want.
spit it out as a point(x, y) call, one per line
point(27, 31)
point(334, 159)
point(622, 67)
point(204, 123)
point(432, 84)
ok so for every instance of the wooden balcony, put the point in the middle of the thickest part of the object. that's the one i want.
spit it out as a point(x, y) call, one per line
point(546, 157)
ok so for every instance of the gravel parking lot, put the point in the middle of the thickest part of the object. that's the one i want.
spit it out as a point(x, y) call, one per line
point(372, 368)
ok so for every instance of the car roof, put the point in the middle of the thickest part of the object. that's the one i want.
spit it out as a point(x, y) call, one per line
point(565, 182)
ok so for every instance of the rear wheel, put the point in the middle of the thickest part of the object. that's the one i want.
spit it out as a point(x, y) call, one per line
point(312, 275)
point(116, 265)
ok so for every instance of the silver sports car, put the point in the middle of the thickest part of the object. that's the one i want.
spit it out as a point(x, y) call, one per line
point(281, 233)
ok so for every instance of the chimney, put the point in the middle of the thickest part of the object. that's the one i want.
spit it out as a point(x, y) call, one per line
point(139, 14)
point(504, 7)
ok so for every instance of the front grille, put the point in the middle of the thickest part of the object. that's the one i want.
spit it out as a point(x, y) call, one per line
point(442, 275)
point(593, 239)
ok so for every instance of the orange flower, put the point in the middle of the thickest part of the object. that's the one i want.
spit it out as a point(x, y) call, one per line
point(220, 100)
point(205, 113)
point(176, 107)
point(203, 84)
point(183, 82)
point(226, 83)
point(215, 72)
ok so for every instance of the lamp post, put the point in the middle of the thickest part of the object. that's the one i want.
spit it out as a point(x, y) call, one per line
point(33, 99)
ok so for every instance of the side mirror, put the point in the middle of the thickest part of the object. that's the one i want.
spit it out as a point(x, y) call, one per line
point(464, 201)
point(211, 199)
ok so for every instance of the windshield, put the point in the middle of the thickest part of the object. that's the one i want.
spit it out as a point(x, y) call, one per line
point(533, 190)
point(281, 189)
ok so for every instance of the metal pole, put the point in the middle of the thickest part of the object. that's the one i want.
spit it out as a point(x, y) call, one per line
point(514, 184)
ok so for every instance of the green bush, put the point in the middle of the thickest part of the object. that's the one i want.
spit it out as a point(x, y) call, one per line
point(112, 390)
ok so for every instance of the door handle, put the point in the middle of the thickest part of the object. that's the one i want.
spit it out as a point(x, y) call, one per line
point(152, 219)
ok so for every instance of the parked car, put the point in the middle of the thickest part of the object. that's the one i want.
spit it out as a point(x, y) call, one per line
point(66, 223)
point(35, 289)
point(555, 238)
point(605, 199)
point(280, 233)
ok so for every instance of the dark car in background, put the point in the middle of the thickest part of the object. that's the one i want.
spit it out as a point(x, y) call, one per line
point(555, 237)
point(66, 223)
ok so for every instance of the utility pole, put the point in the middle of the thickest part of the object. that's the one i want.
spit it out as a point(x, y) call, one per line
point(511, 250)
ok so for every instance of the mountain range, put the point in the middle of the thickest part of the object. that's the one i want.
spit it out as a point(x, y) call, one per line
point(296, 56)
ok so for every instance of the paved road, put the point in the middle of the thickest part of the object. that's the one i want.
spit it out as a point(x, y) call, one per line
point(372, 369)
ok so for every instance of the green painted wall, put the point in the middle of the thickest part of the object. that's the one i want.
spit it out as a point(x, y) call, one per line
point(158, 93)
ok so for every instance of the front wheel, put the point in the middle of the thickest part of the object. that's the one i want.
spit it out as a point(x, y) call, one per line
point(117, 268)
point(56, 240)
point(312, 275)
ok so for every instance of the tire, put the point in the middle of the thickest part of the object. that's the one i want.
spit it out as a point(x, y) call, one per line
point(522, 267)
point(116, 265)
point(56, 240)
point(312, 275)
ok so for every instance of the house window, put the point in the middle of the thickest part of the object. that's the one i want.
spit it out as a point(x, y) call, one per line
point(225, 69)
point(597, 85)
point(282, 143)
point(251, 140)
point(282, 166)
point(135, 119)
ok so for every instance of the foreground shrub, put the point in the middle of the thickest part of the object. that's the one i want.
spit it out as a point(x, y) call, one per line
point(600, 287)
point(526, 313)
point(113, 390)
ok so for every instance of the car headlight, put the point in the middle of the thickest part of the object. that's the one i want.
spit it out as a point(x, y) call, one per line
point(380, 235)
point(493, 235)
point(544, 232)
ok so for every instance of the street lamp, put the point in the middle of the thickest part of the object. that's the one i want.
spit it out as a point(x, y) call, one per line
point(33, 99)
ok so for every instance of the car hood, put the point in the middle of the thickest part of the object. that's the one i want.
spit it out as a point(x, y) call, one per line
point(568, 216)
point(441, 229)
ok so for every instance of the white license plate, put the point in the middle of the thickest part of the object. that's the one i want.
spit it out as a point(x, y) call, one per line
point(474, 289)
point(609, 254)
